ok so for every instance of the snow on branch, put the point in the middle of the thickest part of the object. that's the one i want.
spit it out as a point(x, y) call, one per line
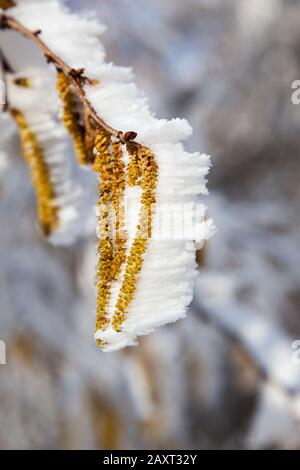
point(144, 276)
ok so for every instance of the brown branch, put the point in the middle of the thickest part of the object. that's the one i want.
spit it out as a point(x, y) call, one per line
point(76, 76)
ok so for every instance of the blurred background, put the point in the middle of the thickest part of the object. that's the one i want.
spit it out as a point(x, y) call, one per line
point(228, 376)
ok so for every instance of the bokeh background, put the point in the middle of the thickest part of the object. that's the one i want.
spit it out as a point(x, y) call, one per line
point(227, 376)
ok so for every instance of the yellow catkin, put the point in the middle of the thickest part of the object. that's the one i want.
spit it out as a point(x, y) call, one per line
point(23, 82)
point(142, 171)
point(104, 165)
point(119, 185)
point(70, 118)
point(33, 154)
point(134, 172)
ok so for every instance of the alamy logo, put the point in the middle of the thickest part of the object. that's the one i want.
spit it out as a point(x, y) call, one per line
point(2, 353)
point(296, 94)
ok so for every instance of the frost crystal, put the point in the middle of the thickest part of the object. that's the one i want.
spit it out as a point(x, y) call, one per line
point(143, 282)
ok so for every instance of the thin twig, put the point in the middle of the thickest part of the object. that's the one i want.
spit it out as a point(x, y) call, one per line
point(76, 76)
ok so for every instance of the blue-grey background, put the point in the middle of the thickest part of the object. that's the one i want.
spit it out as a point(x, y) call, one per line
point(226, 376)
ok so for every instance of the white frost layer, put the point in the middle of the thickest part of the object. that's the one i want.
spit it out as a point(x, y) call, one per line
point(165, 283)
point(40, 106)
point(76, 40)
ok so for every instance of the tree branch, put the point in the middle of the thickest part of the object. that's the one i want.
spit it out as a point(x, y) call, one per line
point(76, 76)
